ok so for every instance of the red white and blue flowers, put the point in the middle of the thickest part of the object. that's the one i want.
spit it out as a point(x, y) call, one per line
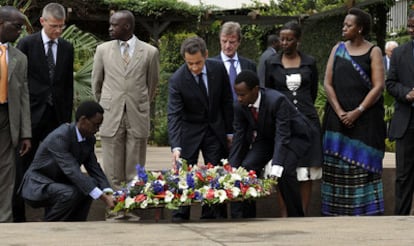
point(185, 185)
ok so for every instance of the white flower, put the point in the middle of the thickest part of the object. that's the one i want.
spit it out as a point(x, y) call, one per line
point(182, 184)
point(184, 196)
point(224, 161)
point(129, 201)
point(235, 177)
point(147, 187)
point(203, 190)
point(156, 174)
point(156, 201)
point(144, 204)
point(169, 196)
point(235, 191)
point(252, 192)
point(221, 194)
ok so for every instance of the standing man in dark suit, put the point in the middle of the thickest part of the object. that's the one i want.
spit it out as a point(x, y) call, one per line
point(275, 131)
point(50, 77)
point(400, 84)
point(273, 45)
point(230, 38)
point(200, 113)
point(55, 181)
point(14, 106)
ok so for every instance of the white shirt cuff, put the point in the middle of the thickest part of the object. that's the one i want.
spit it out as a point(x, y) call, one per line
point(96, 193)
point(276, 170)
point(176, 149)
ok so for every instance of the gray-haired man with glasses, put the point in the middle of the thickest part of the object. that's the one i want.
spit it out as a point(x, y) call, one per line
point(50, 79)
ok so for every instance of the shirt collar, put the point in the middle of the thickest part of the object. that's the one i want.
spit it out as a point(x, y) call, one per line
point(226, 58)
point(79, 136)
point(256, 104)
point(45, 38)
point(131, 42)
point(203, 71)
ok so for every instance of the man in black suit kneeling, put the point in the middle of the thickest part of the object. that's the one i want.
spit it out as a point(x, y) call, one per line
point(54, 179)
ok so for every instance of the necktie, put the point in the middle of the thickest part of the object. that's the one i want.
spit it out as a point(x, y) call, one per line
point(202, 85)
point(232, 77)
point(125, 54)
point(3, 75)
point(254, 113)
point(50, 60)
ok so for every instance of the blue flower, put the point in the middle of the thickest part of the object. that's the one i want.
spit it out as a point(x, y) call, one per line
point(157, 186)
point(141, 173)
point(198, 196)
point(190, 180)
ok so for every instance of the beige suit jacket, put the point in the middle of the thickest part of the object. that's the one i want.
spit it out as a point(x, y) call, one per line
point(18, 96)
point(133, 88)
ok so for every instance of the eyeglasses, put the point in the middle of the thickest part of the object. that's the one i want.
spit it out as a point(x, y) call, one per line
point(55, 26)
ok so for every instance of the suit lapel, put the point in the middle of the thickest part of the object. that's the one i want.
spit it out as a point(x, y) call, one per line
point(137, 57)
point(12, 62)
point(115, 54)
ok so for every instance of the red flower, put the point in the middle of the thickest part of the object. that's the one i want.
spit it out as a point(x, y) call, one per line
point(243, 188)
point(228, 168)
point(140, 198)
point(210, 194)
point(252, 174)
point(121, 198)
point(209, 165)
point(191, 195)
point(229, 194)
point(200, 176)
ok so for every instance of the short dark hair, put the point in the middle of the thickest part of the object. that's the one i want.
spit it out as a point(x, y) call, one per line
point(272, 38)
point(129, 17)
point(363, 19)
point(294, 26)
point(88, 109)
point(249, 77)
point(192, 45)
point(7, 13)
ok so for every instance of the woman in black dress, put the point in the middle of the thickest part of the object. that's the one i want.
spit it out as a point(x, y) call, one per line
point(354, 128)
point(294, 74)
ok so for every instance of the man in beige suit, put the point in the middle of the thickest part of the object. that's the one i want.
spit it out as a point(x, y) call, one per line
point(14, 106)
point(124, 77)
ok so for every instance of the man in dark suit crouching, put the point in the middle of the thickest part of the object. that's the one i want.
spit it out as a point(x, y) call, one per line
point(54, 179)
point(274, 131)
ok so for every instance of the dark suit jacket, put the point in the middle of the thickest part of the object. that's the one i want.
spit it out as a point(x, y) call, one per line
point(400, 81)
point(58, 160)
point(261, 67)
point(279, 124)
point(40, 85)
point(190, 115)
